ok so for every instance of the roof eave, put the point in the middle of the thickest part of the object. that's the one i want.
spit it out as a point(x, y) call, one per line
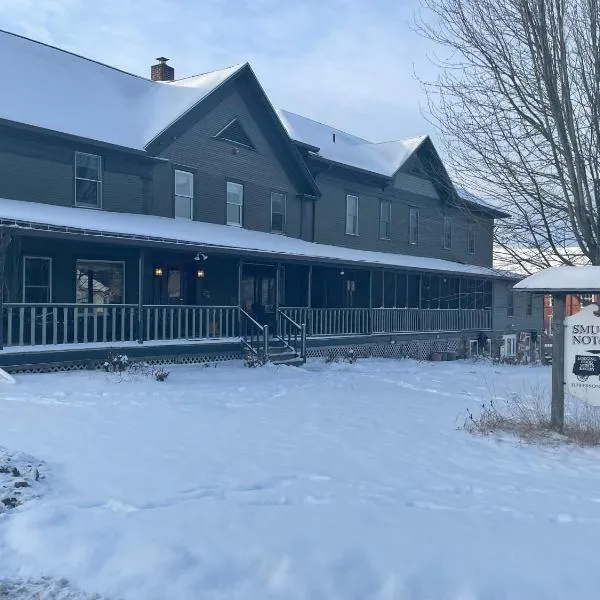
point(79, 139)
point(323, 159)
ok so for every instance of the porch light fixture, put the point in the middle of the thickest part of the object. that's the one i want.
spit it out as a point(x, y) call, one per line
point(342, 272)
point(200, 273)
point(158, 271)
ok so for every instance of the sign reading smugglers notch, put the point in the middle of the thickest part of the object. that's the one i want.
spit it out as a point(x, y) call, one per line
point(582, 354)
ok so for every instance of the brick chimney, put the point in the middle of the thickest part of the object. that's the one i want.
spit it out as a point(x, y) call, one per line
point(161, 71)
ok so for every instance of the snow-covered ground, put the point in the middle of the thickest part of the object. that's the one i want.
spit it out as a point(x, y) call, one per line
point(323, 482)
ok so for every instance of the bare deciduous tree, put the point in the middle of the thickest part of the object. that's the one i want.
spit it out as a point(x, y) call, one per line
point(518, 103)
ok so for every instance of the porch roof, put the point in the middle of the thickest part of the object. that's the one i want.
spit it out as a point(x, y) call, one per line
point(150, 229)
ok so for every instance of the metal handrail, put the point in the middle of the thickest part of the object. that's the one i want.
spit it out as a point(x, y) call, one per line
point(253, 341)
point(298, 329)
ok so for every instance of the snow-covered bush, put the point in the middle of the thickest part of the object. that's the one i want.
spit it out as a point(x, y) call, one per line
point(527, 416)
point(253, 360)
point(331, 357)
point(160, 374)
point(116, 363)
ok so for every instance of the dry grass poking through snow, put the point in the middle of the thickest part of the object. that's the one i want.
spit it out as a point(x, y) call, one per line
point(527, 416)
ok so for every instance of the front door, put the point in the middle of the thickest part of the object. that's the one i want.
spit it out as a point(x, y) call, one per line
point(259, 293)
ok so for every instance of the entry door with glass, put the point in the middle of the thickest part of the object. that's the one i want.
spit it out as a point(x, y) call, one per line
point(258, 293)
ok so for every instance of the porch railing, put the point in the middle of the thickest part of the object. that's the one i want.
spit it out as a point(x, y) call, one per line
point(360, 321)
point(169, 322)
point(33, 324)
point(42, 324)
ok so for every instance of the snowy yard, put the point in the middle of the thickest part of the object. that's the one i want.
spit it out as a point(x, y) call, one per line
point(323, 482)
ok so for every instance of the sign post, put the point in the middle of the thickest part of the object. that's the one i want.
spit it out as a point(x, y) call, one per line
point(557, 407)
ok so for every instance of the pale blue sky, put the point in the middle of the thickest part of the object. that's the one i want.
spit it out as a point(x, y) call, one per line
point(349, 63)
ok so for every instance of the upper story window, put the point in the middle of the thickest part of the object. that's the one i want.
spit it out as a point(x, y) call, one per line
point(447, 233)
point(235, 203)
point(471, 238)
point(184, 195)
point(351, 214)
point(278, 201)
point(385, 219)
point(37, 279)
point(586, 299)
point(529, 310)
point(88, 180)
point(510, 304)
point(413, 226)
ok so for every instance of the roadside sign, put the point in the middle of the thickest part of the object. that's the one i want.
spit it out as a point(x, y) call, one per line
point(582, 354)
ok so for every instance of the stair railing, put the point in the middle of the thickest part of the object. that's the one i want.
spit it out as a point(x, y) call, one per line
point(292, 334)
point(255, 337)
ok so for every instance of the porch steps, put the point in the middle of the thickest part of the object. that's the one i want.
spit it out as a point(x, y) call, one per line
point(280, 354)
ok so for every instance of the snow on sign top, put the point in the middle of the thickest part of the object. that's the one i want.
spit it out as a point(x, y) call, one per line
point(210, 235)
point(63, 92)
point(384, 158)
point(562, 279)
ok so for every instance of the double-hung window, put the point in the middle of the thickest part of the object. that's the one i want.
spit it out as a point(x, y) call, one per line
point(510, 304)
point(278, 212)
point(88, 180)
point(99, 282)
point(385, 219)
point(448, 233)
point(413, 226)
point(184, 195)
point(235, 203)
point(470, 238)
point(37, 279)
point(351, 214)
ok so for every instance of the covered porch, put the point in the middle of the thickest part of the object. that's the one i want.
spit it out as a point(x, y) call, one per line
point(69, 284)
point(89, 293)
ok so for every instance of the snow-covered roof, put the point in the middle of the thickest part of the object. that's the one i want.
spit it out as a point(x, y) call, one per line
point(474, 199)
point(209, 235)
point(384, 158)
point(60, 91)
point(562, 279)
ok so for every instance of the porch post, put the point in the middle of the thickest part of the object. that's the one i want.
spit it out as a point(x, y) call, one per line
point(239, 296)
point(239, 291)
point(277, 296)
point(4, 242)
point(371, 300)
point(309, 300)
point(140, 319)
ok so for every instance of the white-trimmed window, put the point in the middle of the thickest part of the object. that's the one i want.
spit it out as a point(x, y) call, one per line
point(509, 346)
point(471, 238)
point(37, 279)
point(278, 208)
point(184, 195)
point(99, 282)
point(88, 180)
point(448, 233)
point(235, 203)
point(351, 214)
point(413, 225)
point(385, 219)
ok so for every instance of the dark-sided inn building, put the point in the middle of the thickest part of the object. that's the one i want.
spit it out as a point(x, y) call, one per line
point(189, 217)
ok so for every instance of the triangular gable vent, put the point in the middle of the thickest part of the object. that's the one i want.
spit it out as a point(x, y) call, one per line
point(234, 132)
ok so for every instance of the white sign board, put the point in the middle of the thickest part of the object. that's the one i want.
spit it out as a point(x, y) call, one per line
point(582, 354)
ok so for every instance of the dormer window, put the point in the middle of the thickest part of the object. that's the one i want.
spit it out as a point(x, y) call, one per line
point(235, 133)
point(88, 180)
